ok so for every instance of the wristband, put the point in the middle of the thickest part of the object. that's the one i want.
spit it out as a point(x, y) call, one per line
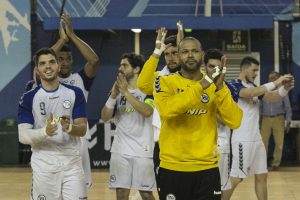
point(215, 74)
point(224, 70)
point(179, 26)
point(270, 86)
point(70, 128)
point(282, 91)
point(158, 51)
point(110, 103)
point(208, 79)
point(44, 132)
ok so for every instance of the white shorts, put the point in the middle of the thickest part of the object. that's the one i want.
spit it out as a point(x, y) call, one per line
point(86, 163)
point(224, 168)
point(249, 158)
point(66, 185)
point(131, 172)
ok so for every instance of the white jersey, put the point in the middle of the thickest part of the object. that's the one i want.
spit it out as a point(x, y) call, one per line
point(156, 117)
point(80, 80)
point(58, 152)
point(134, 134)
point(224, 133)
point(249, 129)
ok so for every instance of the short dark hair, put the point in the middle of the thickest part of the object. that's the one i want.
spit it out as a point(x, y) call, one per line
point(276, 73)
point(65, 48)
point(212, 54)
point(43, 51)
point(135, 60)
point(247, 61)
point(172, 39)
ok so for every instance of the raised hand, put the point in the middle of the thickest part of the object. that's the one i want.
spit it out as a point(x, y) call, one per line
point(219, 74)
point(122, 83)
point(180, 32)
point(62, 34)
point(160, 41)
point(115, 91)
point(66, 19)
point(289, 84)
point(282, 79)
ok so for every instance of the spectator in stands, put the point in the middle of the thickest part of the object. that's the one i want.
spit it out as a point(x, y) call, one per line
point(274, 115)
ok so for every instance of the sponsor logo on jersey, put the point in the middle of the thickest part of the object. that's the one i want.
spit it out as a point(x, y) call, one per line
point(67, 104)
point(196, 111)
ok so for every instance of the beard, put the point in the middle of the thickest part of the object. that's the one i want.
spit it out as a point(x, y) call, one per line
point(173, 70)
point(190, 67)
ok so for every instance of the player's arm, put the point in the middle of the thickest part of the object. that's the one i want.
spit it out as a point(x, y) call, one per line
point(228, 109)
point(171, 104)
point(147, 76)
point(266, 88)
point(28, 135)
point(87, 52)
point(144, 108)
point(76, 128)
point(63, 39)
point(180, 32)
point(281, 92)
point(107, 111)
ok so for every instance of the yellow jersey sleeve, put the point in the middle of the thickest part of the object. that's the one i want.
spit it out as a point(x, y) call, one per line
point(147, 76)
point(228, 109)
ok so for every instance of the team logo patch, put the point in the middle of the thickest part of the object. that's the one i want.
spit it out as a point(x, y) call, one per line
point(170, 197)
point(41, 197)
point(72, 82)
point(112, 178)
point(67, 104)
point(204, 98)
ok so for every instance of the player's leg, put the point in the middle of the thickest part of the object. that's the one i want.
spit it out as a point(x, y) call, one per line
point(260, 170)
point(86, 164)
point(120, 175)
point(73, 186)
point(46, 185)
point(143, 178)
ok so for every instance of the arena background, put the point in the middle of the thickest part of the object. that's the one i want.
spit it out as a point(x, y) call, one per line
point(26, 26)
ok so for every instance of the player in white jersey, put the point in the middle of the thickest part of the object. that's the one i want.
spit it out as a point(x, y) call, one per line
point(51, 119)
point(249, 154)
point(83, 79)
point(131, 165)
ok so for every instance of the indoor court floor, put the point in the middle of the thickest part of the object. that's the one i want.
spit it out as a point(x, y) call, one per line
point(284, 184)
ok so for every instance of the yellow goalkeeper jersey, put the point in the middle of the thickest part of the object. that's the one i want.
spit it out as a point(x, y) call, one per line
point(147, 76)
point(188, 136)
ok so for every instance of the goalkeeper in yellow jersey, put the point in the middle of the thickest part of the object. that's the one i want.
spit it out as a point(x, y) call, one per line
point(167, 47)
point(189, 102)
